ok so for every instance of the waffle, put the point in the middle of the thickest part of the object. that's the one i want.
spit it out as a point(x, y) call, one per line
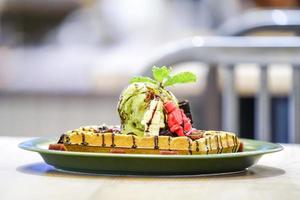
point(90, 139)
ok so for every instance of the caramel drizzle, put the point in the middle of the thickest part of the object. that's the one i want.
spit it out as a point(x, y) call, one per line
point(156, 142)
point(133, 143)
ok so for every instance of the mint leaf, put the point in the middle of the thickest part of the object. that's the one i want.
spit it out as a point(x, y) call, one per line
point(160, 73)
point(142, 79)
point(182, 77)
point(162, 77)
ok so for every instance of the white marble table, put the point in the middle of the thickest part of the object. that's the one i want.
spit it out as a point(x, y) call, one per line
point(24, 175)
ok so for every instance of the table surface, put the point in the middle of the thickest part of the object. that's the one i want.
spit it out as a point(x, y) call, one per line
point(24, 175)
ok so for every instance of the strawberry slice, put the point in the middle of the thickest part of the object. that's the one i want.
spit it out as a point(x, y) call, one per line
point(178, 122)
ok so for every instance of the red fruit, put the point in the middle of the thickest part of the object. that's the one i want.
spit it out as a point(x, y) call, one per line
point(170, 106)
point(177, 120)
point(241, 147)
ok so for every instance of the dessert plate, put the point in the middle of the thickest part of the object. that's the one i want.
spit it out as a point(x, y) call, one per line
point(145, 164)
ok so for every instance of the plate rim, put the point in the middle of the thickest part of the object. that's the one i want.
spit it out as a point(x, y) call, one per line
point(31, 145)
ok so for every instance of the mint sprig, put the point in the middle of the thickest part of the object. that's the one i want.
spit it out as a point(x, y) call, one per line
point(160, 73)
point(162, 77)
point(142, 79)
point(182, 77)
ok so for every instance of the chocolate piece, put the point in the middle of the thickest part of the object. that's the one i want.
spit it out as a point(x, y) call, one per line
point(62, 139)
point(113, 129)
point(185, 106)
point(166, 132)
point(103, 128)
point(196, 134)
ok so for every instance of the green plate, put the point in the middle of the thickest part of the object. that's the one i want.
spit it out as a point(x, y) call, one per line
point(145, 164)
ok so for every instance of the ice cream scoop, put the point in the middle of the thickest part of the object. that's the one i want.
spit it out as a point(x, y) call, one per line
point(141, 104)
point(135, 109)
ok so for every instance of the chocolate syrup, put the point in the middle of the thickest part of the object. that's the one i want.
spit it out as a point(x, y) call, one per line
point(206, 146)
point(113, 140)
point(217, 140)
point(234, 138)
point(150, 121)
point(227, 141)
point(197, 145)
point(156, 142)
point(131, 133)
point(221, 145)
point(103, 142)
point(133, 143)
point(210, 143)
point(83, 139)
point(190, 145)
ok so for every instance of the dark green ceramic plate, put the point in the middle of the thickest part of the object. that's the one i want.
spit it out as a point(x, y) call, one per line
point(142, 164)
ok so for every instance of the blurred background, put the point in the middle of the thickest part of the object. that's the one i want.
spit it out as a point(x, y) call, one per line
point(63, 63)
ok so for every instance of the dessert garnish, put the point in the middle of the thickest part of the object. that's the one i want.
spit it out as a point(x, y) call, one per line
point(152, 122)
point(146, 107)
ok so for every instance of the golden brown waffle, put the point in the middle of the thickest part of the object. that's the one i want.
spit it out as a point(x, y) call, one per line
point(89, 139)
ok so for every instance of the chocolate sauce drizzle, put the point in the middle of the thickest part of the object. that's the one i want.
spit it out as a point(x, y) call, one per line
point(206, 146)
point(221, 145)
point(131, 133)
point(190, 145)
point(83, 139)
point(169, 141)
point(133, 142)
point(197, 145)
point(156, 142)
point(103, 142)
point(150, 121)
point(217, 140)
point(234, 138)
point(113, 140)
point(233, 144)
point(210, 143)
point(227, 140)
